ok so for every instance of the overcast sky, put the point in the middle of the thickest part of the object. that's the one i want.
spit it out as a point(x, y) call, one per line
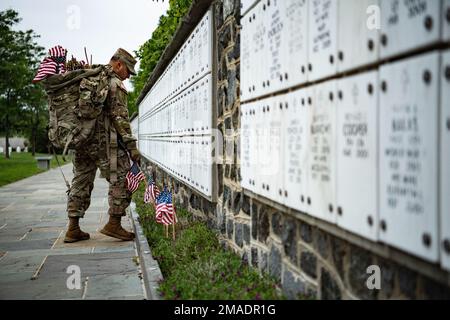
point(100, 25)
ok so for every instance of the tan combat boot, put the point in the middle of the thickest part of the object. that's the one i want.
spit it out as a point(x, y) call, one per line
point(74, 232)
point(115, 230)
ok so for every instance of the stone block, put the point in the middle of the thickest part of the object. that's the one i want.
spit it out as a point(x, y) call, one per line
point(40, 290)
point(263, 226)
point(228, 8)
point(264, 264)
point(387, 279)
point(322, 243)
point(277, 224)
point(90, 264)
point(208, 207)
point(219, 15)
point(226, 194)
point(308, 263)
point(221, 220)
point(246, 234)
point(221, 99)
point(293, 288)
point(339, 253)
point(238, 174)
point(227, 170)
point(233, 172)
point(232, 91)
point(245, 205)
point(238, 234)
point(275, 263)
point(225, 36)
point(306, 232)
point(235, 53)
point(228, 124)
point(255, 222)
point(195, 202)
point(236, 121)
point(237, 202)
point(14, 263)
point(229, 150)
point(27, 245)
point(407, 280)
point(230, 227)
point(289, 238)
point(220, 176)
point(360, 260)
point(255, 257)
point(329, 289)
point(102, 287)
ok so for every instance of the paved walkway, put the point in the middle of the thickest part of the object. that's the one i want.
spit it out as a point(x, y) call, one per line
point(34, 259)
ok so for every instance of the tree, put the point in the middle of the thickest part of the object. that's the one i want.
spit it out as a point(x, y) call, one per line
point(150, 52)
point(36, 116)
point(19, 56)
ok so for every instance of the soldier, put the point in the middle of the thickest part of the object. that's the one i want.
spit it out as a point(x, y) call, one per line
point(109, 150)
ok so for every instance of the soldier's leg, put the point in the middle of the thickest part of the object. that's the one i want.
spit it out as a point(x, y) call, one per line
point(80, 196)
point(119, 199)
point(84, 170)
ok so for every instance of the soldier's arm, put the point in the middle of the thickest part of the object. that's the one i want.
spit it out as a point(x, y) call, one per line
point(120, 119)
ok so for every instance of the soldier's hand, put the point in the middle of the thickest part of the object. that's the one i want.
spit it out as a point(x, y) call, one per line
point(135, 156)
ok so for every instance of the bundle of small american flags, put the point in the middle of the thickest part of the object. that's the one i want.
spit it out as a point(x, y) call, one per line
point(54, 64)
point(165, 210)
point(164, 207)
point(134, 178)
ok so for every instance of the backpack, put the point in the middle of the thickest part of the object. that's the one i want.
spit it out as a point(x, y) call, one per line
point(75, 101)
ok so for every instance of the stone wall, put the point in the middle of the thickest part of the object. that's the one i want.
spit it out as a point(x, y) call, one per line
point(309, 258)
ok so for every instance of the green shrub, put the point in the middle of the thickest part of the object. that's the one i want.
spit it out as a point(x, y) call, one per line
point(218, 276)
point(192, 244)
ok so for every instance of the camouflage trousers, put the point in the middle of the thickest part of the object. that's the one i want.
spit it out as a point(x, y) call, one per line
point(85, 165)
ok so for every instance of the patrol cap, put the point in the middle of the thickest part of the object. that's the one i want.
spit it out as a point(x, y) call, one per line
point(126, 58)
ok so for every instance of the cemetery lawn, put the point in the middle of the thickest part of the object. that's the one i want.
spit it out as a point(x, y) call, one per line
point(21, 166)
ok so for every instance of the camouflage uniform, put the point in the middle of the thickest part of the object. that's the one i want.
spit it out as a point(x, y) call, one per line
point(103, 152)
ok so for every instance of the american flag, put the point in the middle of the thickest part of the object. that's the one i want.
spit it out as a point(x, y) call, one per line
point(57, 51)
point(152, 192)
point(54, 64)
point(165, 210)
point(134, 177)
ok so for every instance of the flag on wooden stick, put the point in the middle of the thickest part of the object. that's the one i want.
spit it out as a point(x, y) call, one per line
point(152, 192)
point(165, 210)
point(134, 178)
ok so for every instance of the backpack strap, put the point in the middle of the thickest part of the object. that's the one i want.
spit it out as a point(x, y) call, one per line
point(113, 143)
point(113, 154)
point(59, 165)
point(66, 147)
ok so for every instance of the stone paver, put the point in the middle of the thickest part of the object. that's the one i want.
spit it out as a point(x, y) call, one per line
point(34, 258)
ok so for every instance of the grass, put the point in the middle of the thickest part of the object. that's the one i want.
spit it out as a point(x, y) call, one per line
point(21, 166)
point(196, 267)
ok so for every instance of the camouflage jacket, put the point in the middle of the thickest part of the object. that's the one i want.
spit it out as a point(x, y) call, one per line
point(118, 110)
